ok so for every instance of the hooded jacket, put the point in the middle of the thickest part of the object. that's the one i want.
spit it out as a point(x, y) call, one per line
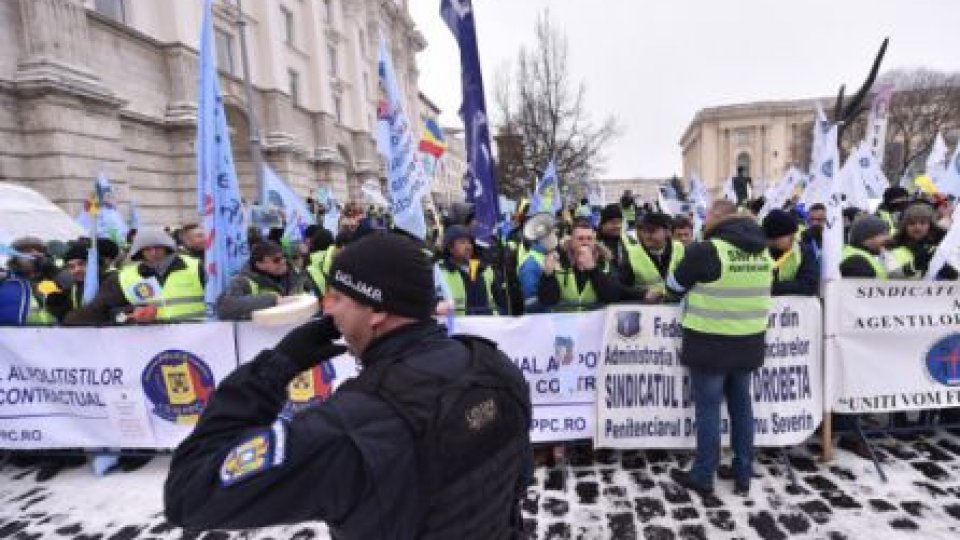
point(701, 264)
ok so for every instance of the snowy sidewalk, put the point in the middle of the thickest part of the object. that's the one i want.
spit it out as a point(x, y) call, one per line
point(616, 495)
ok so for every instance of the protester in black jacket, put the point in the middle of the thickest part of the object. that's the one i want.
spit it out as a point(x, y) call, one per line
point(377, 460)
point(796, 270)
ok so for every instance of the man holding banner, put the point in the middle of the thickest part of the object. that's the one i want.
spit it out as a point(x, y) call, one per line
point(726, 280)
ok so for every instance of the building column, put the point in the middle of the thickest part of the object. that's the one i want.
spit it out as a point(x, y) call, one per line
point(71, 126)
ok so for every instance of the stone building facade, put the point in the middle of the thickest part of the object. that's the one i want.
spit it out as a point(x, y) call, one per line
point(110, 85)
point(764, 138)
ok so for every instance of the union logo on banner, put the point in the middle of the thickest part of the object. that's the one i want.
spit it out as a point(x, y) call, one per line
point(179, 385)
point(309, 388)
point(563, 349)
point(628, 324)
point(943, 360)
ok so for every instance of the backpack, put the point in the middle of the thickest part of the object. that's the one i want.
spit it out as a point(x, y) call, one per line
point(463, 428)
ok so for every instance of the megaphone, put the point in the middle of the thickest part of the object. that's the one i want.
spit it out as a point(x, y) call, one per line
point(541, 228)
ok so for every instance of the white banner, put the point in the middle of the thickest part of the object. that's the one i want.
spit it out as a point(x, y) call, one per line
point(124, 387)
point(558, 355)
point(644, 398)
point(892, 345)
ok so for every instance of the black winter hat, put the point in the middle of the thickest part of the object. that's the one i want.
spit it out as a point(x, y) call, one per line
point(656, 220)
point(107, 249)
point(779, 223)
point(388, 272)
point(894, 193)
point(610, 211)
point(454, 233)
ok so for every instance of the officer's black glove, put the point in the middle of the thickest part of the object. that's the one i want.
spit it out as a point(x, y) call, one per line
point(311, 343)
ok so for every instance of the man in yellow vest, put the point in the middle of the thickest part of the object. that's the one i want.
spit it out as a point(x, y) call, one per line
point(726, 280)
point(193, 241)
point(33, 263)
point(865, 255)
point(70, 297)
point(470, 281)
point(654, 255)
point(160, 285)
point(578, 277)
point(895, 201)
point(915, 244)
point(267, 280)
point(796, 270)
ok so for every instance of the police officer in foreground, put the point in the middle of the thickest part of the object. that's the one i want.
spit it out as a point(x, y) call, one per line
point(726, 280)
point(381, 458)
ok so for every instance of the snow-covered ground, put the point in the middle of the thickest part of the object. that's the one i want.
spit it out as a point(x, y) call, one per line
point(606, 495)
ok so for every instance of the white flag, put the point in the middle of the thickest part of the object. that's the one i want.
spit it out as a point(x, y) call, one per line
point(871, 172)
point(947, 248)
point(779, 194)
point(937, 160)
point(818, 188)
point(833, 229)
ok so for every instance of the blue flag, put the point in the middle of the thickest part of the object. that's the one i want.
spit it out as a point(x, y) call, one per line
point(292, 206)
point(406, 180)
point(218, 194)
point(481, 189)
point(546, 198)
point(91, 280)
point(109, 222)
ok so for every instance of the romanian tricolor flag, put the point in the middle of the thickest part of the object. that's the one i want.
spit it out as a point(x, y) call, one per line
point(432, 141)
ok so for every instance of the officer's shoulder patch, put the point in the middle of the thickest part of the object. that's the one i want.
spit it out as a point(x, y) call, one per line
point(258, 451)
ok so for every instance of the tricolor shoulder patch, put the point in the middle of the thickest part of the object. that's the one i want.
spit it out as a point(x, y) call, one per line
point(256, 452)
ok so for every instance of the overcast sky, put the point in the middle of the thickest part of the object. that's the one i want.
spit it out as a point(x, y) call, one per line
point(654, 63)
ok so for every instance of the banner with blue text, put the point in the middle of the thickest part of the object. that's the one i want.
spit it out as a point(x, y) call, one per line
point(644, 398)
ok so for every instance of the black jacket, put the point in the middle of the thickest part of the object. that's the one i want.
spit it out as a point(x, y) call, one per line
point(238, 302)
point(350, 461)
point(701, 264)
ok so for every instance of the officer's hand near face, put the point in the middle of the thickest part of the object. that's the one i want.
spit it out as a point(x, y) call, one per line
point(311, 343)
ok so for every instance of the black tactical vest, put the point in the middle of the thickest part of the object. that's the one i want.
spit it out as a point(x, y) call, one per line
point(472, 440)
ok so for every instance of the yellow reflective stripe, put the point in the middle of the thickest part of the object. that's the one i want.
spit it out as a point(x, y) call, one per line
point(722, 292)
point(717, 314)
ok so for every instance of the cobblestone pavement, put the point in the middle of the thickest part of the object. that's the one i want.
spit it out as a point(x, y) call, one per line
point(609, 494)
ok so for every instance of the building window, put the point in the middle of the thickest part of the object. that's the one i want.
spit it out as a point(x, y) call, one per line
point(332, 60)
point(363, 43)
point(338, 108)
point(328, 11)
point(366, 87)
point(224, 44)
point(742, 137)
point(288, 32)
point(112, 9)
point(294, 86)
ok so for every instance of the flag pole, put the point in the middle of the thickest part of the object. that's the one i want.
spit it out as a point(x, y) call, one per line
point(256, 152)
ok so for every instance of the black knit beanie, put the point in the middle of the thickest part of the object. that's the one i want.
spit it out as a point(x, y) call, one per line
point(387, 272)
point(610, 211)
point(779, 223)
